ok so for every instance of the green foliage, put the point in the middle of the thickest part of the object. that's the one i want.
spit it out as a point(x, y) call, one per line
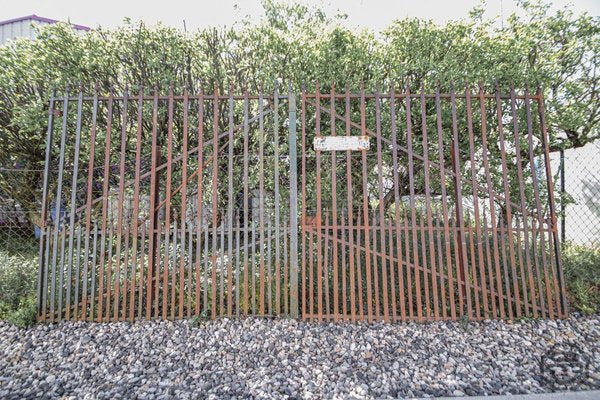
point(24, 315)
point(18, 272)
point(582, 274)
point(298, 44)
point(198, 320)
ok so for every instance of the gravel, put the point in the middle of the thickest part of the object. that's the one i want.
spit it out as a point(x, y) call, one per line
point(265, 358)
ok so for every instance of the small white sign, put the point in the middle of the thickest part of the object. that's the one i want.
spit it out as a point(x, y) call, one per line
point(341, 143)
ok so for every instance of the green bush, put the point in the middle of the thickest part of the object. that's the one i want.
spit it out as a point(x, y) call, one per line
point(582, 274)
point(18, 277)
point(24, 315)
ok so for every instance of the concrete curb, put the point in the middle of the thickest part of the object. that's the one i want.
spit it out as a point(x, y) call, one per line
point(587, 395)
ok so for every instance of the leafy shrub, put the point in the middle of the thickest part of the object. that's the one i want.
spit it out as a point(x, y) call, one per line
point(24, 314)
point(582, 274)
point(18, 276)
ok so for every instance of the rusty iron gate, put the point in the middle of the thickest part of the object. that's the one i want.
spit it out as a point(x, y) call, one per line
point(171, 205)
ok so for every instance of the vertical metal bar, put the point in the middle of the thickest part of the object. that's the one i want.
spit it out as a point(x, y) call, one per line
point(303, 209)
point(563, 226)
point(325, 276)
point(184, 179)
point(510, 304)
point(493, 294)
point(168, 203)
point(230, 208)
point(459, 207)
point(189, 275)
point(365, 201)
point(538, 204)
point(261, 211)
point(152, 237)
point(442, 276)
point(343, 267)
point(424, 267)
point(199, 197)
point(303, 196)
point(93, 271)
point(58, 199)
point(199, 256)
point(246, 190)
point(46, 278)
point(392, 279)
point(361, 314)
point(506, 188)
point(253, 263)
point(42, 276)
point(524, 278)
point(215, 165)
point(63, 235)
point(206, 277)
point(277, 209)
point(457, 252)
point(447, 236)
point(432, 266)
point(551, 202)
point(172, 265)
point(376, 292)
point(136, 202)
point(402, 266)
point(318, 210)
point(73, 205)
point(105, 182)
point(126, 280)
point(524, 213)
point(334, 217)
point(311, 291)
point(157, 278)
point(382, 246)
point(293, 176)
point(269, 242)
point(410, 266)
point(222, 272)
point(554, 272)
point(285, 265)
point(469, 225)
point(349, 196)
point(237, 264)
point(141, 278)
point(413, 210)
point(111, 232)
point(475, 188)
point(121, 201)
point(397, 200)
point(76, 315)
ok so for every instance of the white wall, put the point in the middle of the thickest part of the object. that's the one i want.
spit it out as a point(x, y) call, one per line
point(19, 29)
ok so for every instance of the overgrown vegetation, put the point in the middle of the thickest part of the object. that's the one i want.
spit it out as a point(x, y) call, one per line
point(18, 277)
point(297, 44)
point(582, 274)
point(558, 50)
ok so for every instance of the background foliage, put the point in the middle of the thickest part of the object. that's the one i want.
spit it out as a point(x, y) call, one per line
point(298, 45)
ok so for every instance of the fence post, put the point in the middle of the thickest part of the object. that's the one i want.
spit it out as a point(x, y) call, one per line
point(293, 206)
point(563, 226)
point(43, 216)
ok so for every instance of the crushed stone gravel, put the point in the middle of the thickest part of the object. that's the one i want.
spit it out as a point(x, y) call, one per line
point(282, 358)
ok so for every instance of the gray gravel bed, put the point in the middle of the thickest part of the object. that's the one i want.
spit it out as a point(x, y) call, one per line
point(265, 358)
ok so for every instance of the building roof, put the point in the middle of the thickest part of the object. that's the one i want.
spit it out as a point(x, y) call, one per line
point(34, 17)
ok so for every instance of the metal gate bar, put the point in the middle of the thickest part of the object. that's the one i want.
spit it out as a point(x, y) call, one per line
point(193, 209)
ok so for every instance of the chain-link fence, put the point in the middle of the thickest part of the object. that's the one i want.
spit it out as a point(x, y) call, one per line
point(577, 174)
point(578, 184)
point(18, 236)
point(19, 193)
